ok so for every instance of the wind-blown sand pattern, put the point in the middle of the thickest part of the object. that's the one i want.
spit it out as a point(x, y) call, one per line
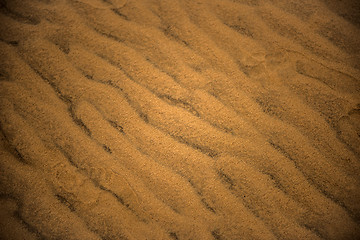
point(179, 119)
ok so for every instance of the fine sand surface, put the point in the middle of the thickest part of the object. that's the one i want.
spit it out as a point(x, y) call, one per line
point(179, 119)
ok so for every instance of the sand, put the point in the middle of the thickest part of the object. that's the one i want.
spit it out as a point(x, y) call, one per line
point(179, 119)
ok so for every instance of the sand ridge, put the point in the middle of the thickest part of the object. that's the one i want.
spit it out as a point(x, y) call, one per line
point(179, 119)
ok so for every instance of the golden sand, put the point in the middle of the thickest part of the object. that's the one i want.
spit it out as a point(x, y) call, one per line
point(179, 119)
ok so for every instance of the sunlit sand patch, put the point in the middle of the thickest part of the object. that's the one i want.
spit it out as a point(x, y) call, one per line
point(106, 4)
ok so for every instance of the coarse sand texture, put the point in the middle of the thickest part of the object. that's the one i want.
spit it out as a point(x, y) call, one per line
point(179, 119)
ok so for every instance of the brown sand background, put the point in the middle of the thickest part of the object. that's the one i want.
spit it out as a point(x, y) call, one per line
point(180, 119)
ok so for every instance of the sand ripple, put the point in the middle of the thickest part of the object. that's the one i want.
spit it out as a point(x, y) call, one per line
point(179, 119)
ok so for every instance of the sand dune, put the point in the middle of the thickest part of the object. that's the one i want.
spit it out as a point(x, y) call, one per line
point(179, 119)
